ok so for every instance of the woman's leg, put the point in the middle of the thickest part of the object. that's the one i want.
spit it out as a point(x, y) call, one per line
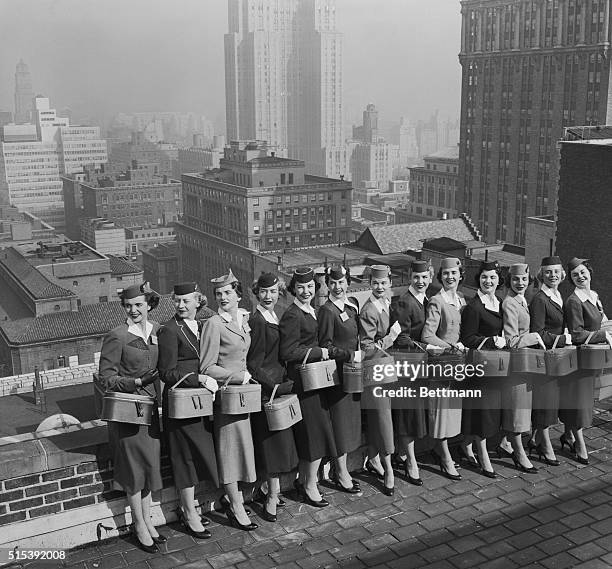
point(483, 454)
point(519, 451)
point(192, 517)
point(446, 458)
point(385, 460)
point(137, 506)
point(236, 502)
point(406, 453)
point(342, 471)
point(581, 449)
point(310, 479)
point(273, 492)
point(545, 443)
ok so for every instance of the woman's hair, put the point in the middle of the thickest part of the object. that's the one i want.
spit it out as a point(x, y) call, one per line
point(293, 282)
point(236, 285)
point(461, 274)
point(482, 270)
point(282, 287)
point(200, 298)
point(151, 298)
point(347, 276)
point(540, 275)
point(588, 267)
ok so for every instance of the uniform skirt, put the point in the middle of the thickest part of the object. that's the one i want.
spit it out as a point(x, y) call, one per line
point(136, 455)
point(409, 415)
point(444, 414)
point(235, 452)
point(545, 402)
point(481, 417)
point(577, 398)
point(191, 448)
point(345, 414)
point(275, 451)
point(379, 419)
point(516, 399)
point(314, 434)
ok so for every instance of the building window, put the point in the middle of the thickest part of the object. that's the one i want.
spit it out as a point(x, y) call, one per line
point(103, 299)
point(102, 280)
point(61, 361)
point(75, 283)
point(291, 177)
point(256, 230)
point(255, 201)
point(256, 216)
point(283, 176)
point(56, 307)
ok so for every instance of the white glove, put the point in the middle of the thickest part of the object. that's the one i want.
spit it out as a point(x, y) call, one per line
point(460, 346)
point(609, 339)
point(209, 383)
point(357, 357)
point(395, 330)
point(433, 349)
point(247, 377)
point(500, 342)
point(324, 354)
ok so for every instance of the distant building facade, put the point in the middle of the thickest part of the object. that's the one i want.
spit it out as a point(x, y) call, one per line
point(24, 94)
point(433, 187)
point(256, 202)
point(529, 69)
point(161, 268)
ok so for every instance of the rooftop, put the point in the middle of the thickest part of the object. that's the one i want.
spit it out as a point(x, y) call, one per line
point(600, 133)
point(410, 236)
point(317, 256)
point(505, 254)
point(89, 320)
point(31, 279)
point(448, 153)
point(45, 253)
point(163, 250)
point(121, 266)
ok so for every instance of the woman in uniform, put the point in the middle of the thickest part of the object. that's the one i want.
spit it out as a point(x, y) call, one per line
point(338, 323)
point(516, 392)
point(377, 335)
point(314, 435)
point(224, 345)
point(481, 327)
point(584, 315)
point(127, 364)
point(546, 311)
point(190, 441)
point(442, 328)
point(275, 451)
point(410, 311)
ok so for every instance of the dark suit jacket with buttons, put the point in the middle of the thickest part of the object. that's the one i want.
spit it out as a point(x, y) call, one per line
point(547, 319)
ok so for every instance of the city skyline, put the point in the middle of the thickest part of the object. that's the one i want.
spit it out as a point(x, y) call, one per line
point(88, 58)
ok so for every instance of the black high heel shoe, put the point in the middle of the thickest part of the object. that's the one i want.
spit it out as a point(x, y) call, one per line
point(160, 538)
point(522, 468)
point(146, 548)
point(388, 491)
point(503, 453)
point(581, 460)
point(308, 500)
point(231, 516)
point(443, 469)
point(225, 505)
point(193, 533)
point(261, 497)
point(372, 470)
point(471, 460)
point(413, 481)
point(268, 516)
point(571, 447)
point(542, 455)
point(484, 472)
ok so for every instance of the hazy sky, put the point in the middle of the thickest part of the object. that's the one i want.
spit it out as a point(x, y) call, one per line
point(104, 56)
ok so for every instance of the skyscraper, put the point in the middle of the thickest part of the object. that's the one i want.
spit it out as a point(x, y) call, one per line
point(529, 69)
point(24, 96)
point(283, 78)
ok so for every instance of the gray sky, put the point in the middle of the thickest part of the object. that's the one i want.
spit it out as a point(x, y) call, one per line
point(145, 55)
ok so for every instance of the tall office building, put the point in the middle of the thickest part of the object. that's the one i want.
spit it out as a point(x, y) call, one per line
point(283, 78)
point(529, 69)
point(24, 96)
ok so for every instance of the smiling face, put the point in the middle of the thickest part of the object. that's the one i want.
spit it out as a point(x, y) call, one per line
point(552, 275)
point(186, 305)
point(379, 286)
point(268, 297)
point(137, 309)
point(519, 283)
point(420, 281)
point(305, 292)
point(227, 298)
point(488, 281)
point(337, 289)
point(451, 278)
point(581, 277)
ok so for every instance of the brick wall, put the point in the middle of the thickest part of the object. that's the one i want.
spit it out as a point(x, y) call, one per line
point(59, 377)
